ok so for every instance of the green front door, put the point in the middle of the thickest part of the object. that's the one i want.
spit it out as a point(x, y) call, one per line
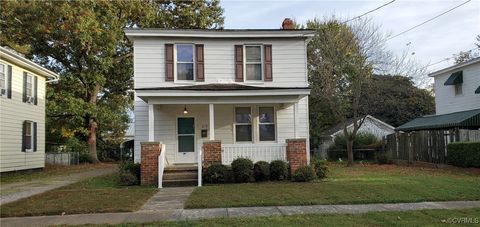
point(185, 140)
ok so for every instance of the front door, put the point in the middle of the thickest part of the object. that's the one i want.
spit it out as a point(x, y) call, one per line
point(185, 140)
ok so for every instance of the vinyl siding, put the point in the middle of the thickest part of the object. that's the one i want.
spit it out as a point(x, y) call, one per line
point(12, 114)
point(288, 59)
point(445, 99)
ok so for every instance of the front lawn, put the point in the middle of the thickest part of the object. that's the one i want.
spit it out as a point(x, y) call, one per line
point(50, 171)
point(408, 218)
point(94, 195)
point(346, 185)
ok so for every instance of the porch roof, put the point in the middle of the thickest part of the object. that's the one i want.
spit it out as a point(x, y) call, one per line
point(221, 93)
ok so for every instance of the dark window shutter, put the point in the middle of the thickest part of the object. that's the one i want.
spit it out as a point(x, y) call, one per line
point(169, 62)
point(35, 92)
point(24, 139)
point(34, 134)
point(267, 62)
point(199, 63)
point(24, 86)
point(9, 81)
point(238, 63)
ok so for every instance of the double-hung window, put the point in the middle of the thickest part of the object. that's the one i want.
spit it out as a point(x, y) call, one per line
point(458, 89)
point(253, 62)
point(185, 62)
point(28, 135)
point(243, 124)
point(29, 87)
point(266, 123)
point(3, 78)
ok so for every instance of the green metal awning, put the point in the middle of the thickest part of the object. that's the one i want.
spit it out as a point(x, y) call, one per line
point(478, 90)
point(464, 119)
point(455, 78)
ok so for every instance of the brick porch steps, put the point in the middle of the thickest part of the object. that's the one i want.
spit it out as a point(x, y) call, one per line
point(180, 176)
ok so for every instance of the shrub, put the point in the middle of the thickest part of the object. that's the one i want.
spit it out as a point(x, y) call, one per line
point(216, 173)
point(261, 171)
point(130, 167)
point(320, 166)
point(85, 158)
point(464, 154)
point(304, 174)
point(126, 179)
point(278, 170)
point(242, 170)
point(382, 158)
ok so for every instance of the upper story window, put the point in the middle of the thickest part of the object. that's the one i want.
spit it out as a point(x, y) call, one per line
point(185, 62)
point(458, 89)
point(3, 79)
point(29, 87)
point(253, 62)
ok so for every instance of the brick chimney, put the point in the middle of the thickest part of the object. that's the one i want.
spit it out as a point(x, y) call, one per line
point(288, 24)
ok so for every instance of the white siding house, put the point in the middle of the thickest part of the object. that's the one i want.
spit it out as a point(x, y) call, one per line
point(245, 88)
point(22, 112)
point(459, 95)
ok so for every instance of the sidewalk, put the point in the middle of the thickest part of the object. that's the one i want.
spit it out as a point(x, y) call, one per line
point(190, 214)
point(15, 191)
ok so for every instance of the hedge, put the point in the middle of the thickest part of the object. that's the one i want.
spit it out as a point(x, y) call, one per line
point(464, 154)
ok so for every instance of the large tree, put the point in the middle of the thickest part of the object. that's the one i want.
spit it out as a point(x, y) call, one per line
point(85, 43)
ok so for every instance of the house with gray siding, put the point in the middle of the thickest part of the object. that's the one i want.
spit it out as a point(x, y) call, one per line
point(210, 96)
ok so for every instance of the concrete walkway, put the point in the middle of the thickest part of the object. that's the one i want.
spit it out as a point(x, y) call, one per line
point(15, 191)
point(184, 214)
point(171, 198)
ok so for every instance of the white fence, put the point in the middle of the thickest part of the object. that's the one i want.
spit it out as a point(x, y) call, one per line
point(62, 158)
point(255, 152)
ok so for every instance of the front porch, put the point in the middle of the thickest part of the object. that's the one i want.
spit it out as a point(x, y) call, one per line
point(204, 127)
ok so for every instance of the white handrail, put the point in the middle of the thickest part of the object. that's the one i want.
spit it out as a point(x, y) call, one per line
point(199, 162)
point(161, 165)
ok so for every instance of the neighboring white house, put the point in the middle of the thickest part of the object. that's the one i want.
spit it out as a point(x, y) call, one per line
point(457, 88)
point(371, 125)
point(22, 112)
point(247, 89)
point(457, 99)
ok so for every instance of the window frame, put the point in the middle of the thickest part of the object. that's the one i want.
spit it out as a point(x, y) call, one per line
point(31, 84)
point(274, 123)
point(252, 139)
point(31, 136)
point(245, 63)
point(458, 89)
point(4, 73)
point(175, 63)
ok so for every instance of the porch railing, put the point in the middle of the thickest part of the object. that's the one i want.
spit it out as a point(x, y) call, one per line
point(255, 152)
point(161, 165)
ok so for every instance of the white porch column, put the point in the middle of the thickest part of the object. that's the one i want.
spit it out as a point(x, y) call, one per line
point(151, 128)
point(211, 121)
point(295, 119)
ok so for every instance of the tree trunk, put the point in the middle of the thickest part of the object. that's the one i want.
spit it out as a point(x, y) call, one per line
point(92, 140)
point(350, 151)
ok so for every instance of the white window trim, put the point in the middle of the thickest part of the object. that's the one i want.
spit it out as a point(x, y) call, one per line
point(245, 80)
point(235, 125)
point(31, 137)
point(176, 80)
point(260, 123)
point(5, 78)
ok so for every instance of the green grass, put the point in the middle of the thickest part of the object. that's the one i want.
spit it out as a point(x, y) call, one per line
point(48, 172)
point(408, 218)
point(95, 195)
point(346, 185)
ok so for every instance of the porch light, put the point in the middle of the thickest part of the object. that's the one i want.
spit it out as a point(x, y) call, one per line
point(185, 111)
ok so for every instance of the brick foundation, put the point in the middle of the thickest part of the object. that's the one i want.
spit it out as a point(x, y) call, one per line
point(149, 162)
point(296, 153)
point(212, 152)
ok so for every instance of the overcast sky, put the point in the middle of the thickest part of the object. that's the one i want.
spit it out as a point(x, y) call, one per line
point(432, 42)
